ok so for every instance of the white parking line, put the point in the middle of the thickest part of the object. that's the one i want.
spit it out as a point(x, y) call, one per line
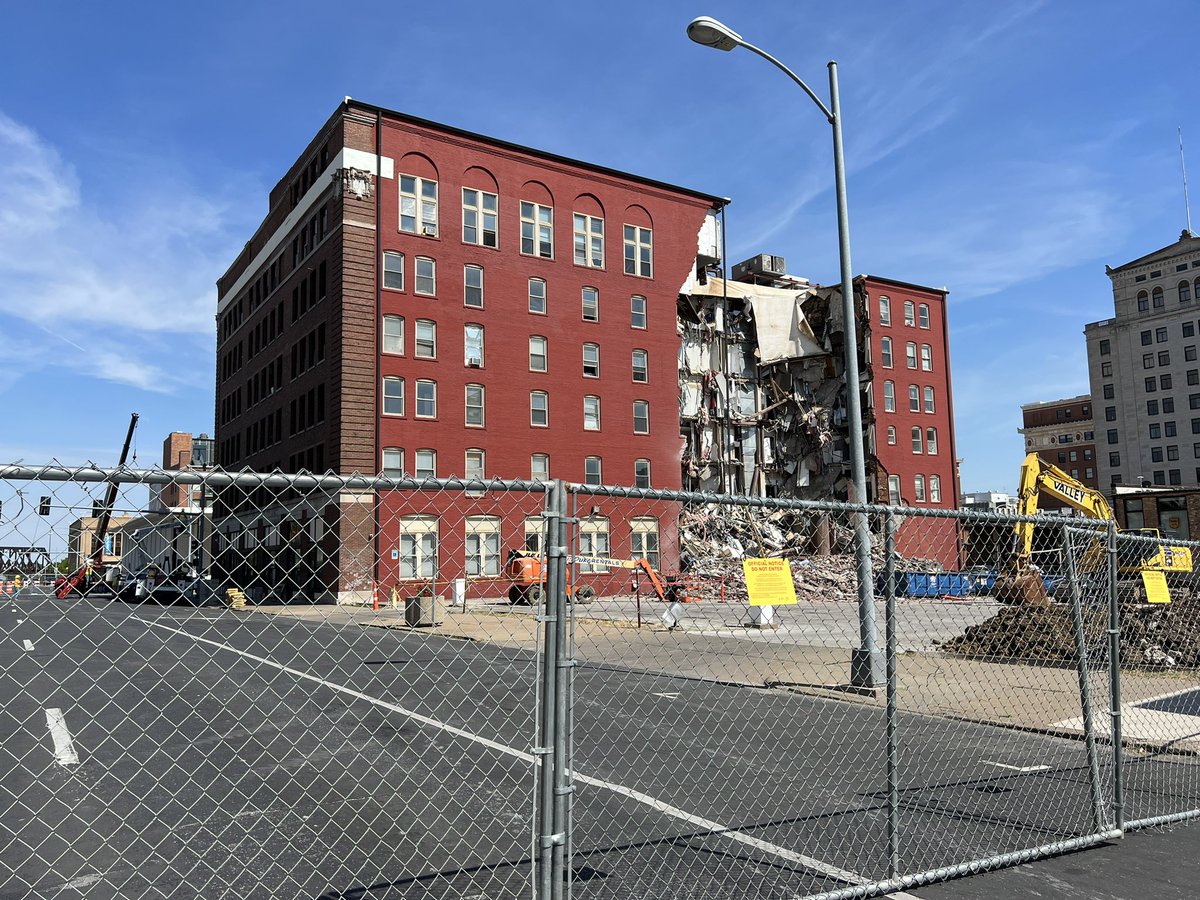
point(709, 825)
point(987, 762)
point(667, 695)
point(28, 645)
point(64, 747)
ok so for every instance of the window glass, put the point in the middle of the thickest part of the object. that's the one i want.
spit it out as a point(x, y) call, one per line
point(479, 218)
point(640, 366)
point(589, 241)
point(537, 230)
point(474, 405)
point(473, 345)
point(641, 417)
point(393, 335)
point(637, 307)
point(393, 270)
point(537, 296)
point(393, 396)
point(418, 205)
point(473, 286)
point(639, 251)
point(537, 353)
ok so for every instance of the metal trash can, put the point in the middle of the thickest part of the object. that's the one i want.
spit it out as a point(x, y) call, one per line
point(423, 610)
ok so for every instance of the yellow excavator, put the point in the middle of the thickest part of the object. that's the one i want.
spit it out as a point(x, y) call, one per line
point(1021, 582)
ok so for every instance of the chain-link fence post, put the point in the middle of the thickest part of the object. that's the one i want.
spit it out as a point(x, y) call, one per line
point(893, 762)
point(559, 595)
point(1085, 693)
point(1114, 681)
point(547, 744)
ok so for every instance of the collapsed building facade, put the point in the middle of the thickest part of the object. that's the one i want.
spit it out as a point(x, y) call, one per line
point(763, 400)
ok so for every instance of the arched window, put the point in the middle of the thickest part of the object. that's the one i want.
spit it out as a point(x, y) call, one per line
point(885, 311)
point(1185, 292)
point(910, 314)
point(1156, 298)
point(916, 439)
point(889, 396)
point(919, 488)
point(885, 352)
point(935, 489)
point(891, 434)
point(931, 441)
point(1143, 301)
point(914, 398)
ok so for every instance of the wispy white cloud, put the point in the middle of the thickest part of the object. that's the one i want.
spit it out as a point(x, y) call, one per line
point(118, 284)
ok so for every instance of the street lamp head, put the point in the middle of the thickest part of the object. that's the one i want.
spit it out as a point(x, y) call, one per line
point(709, 32)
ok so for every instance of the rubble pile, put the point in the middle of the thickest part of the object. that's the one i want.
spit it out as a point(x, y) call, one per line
point(1166, 635)
point(715, 540)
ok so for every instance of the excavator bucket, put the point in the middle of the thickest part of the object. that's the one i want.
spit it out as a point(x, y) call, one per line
point(1021, 588)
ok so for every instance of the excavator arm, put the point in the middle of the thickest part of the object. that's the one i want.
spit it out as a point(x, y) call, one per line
point(1041, 478)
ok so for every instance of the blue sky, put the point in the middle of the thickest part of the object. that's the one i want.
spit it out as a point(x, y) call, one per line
point(1005, 151)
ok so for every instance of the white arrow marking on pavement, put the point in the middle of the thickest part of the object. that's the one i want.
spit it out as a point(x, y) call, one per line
point(64, 747)
point(28, 646)
point(1016, 768)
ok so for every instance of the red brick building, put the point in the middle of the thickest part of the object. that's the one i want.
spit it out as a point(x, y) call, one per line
point(426, 300)
point(911, 431)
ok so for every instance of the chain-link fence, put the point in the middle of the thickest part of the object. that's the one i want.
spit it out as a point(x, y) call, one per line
point(232, 684)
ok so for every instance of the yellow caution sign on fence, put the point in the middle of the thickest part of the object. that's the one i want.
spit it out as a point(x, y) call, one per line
point(1156, 587)
point(769, 582)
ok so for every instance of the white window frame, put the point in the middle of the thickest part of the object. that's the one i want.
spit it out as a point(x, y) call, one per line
point(923, 315)
point(594, 303)
point(539, 467)
point(534, 299)
point(641, 473)
point(594, 363)
point(477, 409)
point(645, 416)
point(885, 311)
point(537, 230)
point(919, 488)
point(393, 335)
point(931, 442)
point(935, 488)
point(593, 464)
point(481, 551)
point(894, 490)
point(417, 549)
point(643, 369)
point(643, 540)
point(397, 383)
point(534, 341)
point(480, 215)
point(914, 398)
point(473, 345)
point(392, 462)
point(636, 301)
point(425, 276)
point(891, 435)
point(910, 313)
point(474, 467)
point(886, 358)
point(425, 334)
point(418, 205)
point(918, 440)
point(426, 396)
point(473, 286)
point(593, 540)
point(910, 354)
point(591, 413)
point(929, 405)
point(535, 533)
point(394, 257)
point(889, 396)
point(425, 463)
point(535, 411)
point(588, 234)
point(639, 251)
point(926, 358)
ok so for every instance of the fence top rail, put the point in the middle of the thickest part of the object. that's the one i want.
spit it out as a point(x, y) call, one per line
point(220, 478)
point(874, 509)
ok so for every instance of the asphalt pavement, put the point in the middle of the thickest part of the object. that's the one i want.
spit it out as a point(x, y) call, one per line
point(228, 754)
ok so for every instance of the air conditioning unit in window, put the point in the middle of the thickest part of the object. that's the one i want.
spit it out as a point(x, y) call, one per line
point(429, 230)
point(474, 363)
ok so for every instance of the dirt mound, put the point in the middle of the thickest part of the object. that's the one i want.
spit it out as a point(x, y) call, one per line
point(1167, 635)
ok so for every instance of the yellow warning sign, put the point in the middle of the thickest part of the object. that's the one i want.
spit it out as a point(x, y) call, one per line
point(1156, 587)
point(769, 582)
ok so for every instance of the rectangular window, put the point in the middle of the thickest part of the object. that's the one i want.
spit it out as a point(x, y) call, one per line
point(1174, 476)
point(473, 346)
point(425, 339)
point(418, 205)
point(483, 546)
point(537, 296)
point(1114, 459)
point(643, 538)
point(919, 488)
point(479, 218)
point(926, 358)
point(592, 474)
point(1105, 348)
point(1189, 329)
point(889, 396)
point(1150, 384)
point(637, 311)
point(537, 353)
point(593, 530)
point(1155, 431)
point(1112, 435)
point(641, 473)
point(539, 409)
point(640, 366)
point(1156, 454)
point(917, 446)
point(1164, 382)
point(894, 490)
point(914, 398)
point(1164, 357)
point(641, 417)
point(909, 313)
point(1193, 376)
point(639, 251)
point(589, 241)
point(473, 470)
point(928, 399)
point(426, 466)
point(393, 335)
point(1160, 335)
point(1151, 409)
point(393, 396)
point(1168, 404)
point(885, 311)
point(1147, 360)
point(473, 286)
point(537, 230)
point(931, 441)
point(1189, 353)
point(539, 467)
point(426, 277)
point(885, 352)
point(591, 360)
point(935, 489)
point(1172, 452)
point(591, 304)
point(474, 405)
point(591, 413)
point(923, 314)
point(426, 399)
point(911, 353)
point(393, 462)
point(1147, 338)
point(1108, 392)
point(418, 546)
point(1106, 370)
point(393, 270)
point(1169, 429)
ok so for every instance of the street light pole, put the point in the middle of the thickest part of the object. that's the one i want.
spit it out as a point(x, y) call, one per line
point(866, 662)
